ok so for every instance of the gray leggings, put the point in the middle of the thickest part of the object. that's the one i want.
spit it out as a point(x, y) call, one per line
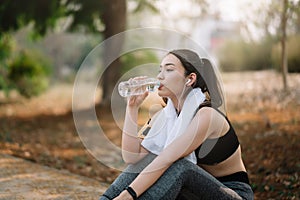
point(183, 180)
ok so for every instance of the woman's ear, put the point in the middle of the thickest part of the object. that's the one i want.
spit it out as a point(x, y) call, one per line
point(192, 78)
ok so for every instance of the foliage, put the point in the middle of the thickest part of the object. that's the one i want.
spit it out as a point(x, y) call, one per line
point(137, 58)
point(41, 15)
point(107, 17)
point(293, 50)
point(16, 14)
point(29, 73)
point(144, 5)
point(86, 14)
point(6, 46)
point(239, 55)
point(84, 48)
point(268, 18)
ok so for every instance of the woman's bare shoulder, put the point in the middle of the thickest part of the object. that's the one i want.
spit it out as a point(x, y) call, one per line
point(211, 115)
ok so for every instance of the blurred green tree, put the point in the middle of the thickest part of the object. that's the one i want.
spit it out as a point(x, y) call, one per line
point(284, 16)
point(107, 17)
point(14, 15)
point(5, 50)
point(278, 22)
point(89, 15)
point(28, 72)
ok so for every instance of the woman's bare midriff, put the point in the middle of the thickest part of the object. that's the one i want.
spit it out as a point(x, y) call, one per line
point(229, 166)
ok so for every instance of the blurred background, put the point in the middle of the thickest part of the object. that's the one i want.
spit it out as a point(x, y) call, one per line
point(254, 43)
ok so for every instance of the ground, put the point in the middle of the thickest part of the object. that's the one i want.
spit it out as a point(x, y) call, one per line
point(21, 179)
point(266, 119)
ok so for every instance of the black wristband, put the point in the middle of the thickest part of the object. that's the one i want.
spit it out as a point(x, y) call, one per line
point(131, 192)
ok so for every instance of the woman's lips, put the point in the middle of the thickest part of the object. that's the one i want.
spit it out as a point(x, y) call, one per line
point(160, 86)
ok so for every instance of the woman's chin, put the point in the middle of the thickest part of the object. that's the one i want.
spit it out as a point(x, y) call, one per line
point(161, 93)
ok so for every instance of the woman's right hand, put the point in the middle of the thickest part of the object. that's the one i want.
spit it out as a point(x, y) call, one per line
point(136, 100)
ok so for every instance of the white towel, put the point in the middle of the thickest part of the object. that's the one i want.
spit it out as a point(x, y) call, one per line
point(168, 126)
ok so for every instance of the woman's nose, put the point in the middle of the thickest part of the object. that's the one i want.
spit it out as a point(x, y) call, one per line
point(160, 76)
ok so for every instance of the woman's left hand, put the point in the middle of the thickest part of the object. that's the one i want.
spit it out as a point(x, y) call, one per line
point(124, 196)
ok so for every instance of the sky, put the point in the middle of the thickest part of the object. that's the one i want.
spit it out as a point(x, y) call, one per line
point(229, 10)
point(235, 10)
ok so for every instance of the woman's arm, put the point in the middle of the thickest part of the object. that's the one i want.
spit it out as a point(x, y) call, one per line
point(132, 151)
point(198, 130)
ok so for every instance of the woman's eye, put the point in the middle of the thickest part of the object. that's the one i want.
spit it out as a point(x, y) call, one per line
point(166, 70)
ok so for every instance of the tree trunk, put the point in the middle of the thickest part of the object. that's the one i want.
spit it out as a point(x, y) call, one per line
point(284, 62)
point(114, 19)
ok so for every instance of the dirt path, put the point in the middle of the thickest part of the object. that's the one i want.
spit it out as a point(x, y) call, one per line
point(20, 179)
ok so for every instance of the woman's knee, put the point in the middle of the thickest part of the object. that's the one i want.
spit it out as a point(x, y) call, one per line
point(139, 166)
point(182, 165)
point(180, 168)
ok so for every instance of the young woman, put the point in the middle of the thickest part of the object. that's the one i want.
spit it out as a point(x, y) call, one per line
point(190, 149)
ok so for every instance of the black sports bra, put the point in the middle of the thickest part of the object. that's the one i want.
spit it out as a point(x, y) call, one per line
point(211, 151)
point(216, 150)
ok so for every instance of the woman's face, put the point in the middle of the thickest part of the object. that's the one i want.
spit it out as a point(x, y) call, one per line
point(172, 77)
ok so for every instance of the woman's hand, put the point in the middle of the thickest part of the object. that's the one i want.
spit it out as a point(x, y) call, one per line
point(137, 100)
point(124, 196)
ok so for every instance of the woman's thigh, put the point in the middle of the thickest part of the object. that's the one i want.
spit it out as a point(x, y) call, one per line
point(189, 181)
point(185, 180)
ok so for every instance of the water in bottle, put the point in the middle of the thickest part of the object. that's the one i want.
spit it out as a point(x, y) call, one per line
point(138, 86)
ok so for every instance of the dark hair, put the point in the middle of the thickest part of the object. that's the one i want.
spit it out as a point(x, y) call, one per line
point(206, 77)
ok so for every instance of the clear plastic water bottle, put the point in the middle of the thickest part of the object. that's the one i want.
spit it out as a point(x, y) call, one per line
point(138, 86)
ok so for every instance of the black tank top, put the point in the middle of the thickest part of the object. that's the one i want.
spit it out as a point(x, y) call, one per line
point(216, 150)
